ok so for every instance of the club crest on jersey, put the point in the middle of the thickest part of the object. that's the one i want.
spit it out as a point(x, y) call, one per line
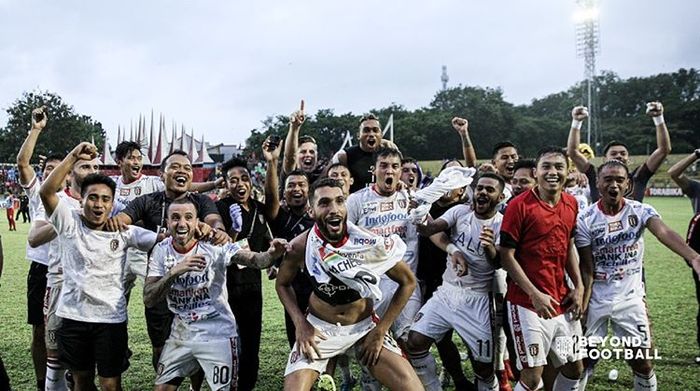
point(137, 190)
point(615, 226)
point(402, 204)
point(386, 206)
point(418, 317)
point(114, 244)
point(633, 220)
point(124, 192)
point(533, 349)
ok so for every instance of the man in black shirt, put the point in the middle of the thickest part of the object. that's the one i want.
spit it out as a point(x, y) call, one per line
point(244, 217)
point(360, 158)
point(150, 211)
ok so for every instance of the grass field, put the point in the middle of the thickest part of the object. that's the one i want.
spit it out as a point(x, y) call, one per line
point(670, 297)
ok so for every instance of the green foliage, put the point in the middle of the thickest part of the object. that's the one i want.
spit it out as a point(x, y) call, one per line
point(426, 133)
point(65, 128)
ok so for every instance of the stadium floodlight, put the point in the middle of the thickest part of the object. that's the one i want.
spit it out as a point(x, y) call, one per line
point(587, 47)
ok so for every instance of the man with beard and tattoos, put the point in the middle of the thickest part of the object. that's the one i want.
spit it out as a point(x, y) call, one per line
point(344, 263)
point(640, 176)
point(288, 221)
point(359, 158)
point(150, 211)
point(464, 301)
point(244, 218)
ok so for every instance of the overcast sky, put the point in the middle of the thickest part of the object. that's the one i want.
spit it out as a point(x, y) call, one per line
point(222, 67)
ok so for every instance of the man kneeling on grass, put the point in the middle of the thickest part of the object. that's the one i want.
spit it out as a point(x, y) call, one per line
point(92, 303)
point(191, 274)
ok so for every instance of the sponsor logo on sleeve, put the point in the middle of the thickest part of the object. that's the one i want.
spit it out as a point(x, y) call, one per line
point(386, 206)
point(615, 226)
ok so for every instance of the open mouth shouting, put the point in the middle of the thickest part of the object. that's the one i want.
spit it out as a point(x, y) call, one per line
point(372, 142)
point(135, 171)
point(182, 234)
point(509, 170)
point(334, 226)
point(180, 180)
point(307, 163)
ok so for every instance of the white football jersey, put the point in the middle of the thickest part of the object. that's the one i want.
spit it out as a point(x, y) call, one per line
point(582, 195)
point(198, 299)
point(93, 266)
point(39, 254)
point(55, 269)
point(617, 243)
point(385, 215)
point(465, 229)
point(145, 184)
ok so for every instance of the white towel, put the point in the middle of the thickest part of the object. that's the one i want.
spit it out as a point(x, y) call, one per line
point(449, 179)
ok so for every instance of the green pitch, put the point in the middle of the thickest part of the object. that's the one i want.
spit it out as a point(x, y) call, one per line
point(671, 300)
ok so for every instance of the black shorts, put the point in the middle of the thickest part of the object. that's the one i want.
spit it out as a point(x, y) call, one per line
point(82, 345)
point(36, 289)
point(158, 322)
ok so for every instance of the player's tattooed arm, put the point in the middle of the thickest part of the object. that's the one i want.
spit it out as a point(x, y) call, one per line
point(261, 260)
point(676, 172)
point(431, 227)
point(461, 125)
point(26, 172)
point(156, 289)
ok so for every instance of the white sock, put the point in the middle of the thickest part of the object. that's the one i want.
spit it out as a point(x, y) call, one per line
point(426, 369)
point(645, 383)
point(563, 383)
point(55, 376)
point(490, 384)
point(521, 387)
point(501, 352)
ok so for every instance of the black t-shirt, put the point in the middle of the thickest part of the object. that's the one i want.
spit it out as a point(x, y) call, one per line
point(288, 225)
point(639, 177)
point(359, 163)
point(431, 260)
point(151, 209)
point(254, 229)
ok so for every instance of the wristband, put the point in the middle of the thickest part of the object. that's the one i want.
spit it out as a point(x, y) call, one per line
point(658, 120)
point(576, 124)
point(451, 249)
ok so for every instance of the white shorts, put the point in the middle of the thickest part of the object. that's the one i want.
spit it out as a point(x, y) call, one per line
point(218, 359)
point(629, 318)
point(539, 341)
point(402, 323)
point(52, 322)
point(339, 340)
point(467, 312)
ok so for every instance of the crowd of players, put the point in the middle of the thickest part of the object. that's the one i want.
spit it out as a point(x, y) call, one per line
point(521, 258)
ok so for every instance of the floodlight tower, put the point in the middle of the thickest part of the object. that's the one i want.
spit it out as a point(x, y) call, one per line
point(444, 77)
point(588, 46)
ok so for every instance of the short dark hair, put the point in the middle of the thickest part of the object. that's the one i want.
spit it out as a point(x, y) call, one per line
point(297, 172)
point(307, 139)
point(183, 201)
point(492, 175)
point(501, 145)
point(233, 163)
point(552, 149)
point(54, 156)
point(164, 162)
point(124, 149)
point(334, 165)
point(386, 152)
point(524, 163)
point(614, 143)
point(614, 163)
point(98, 179)
point(450, 161)
point(368, 117)
point(324, 182)
point(409, 159)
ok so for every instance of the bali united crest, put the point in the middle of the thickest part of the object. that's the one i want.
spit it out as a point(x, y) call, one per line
point(114, 244)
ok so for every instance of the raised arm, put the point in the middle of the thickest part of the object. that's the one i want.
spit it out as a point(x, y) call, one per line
point(578, 115)
point(676, 171)
point(663, 141)
point(272, 195)
point(673, 242)
point(203, 187)
point(291, 145)
point(83, 151)
point(461, 125)
point(261, 260)
point(24, 156)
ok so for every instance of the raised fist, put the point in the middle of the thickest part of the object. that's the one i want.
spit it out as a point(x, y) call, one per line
point(297, 118)
point(579, 113)
point(39, 118)
point(461, 125)
point(654, 109)
point(85, 151)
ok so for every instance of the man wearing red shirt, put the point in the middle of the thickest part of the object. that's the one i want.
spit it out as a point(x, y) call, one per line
point(537, 251)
